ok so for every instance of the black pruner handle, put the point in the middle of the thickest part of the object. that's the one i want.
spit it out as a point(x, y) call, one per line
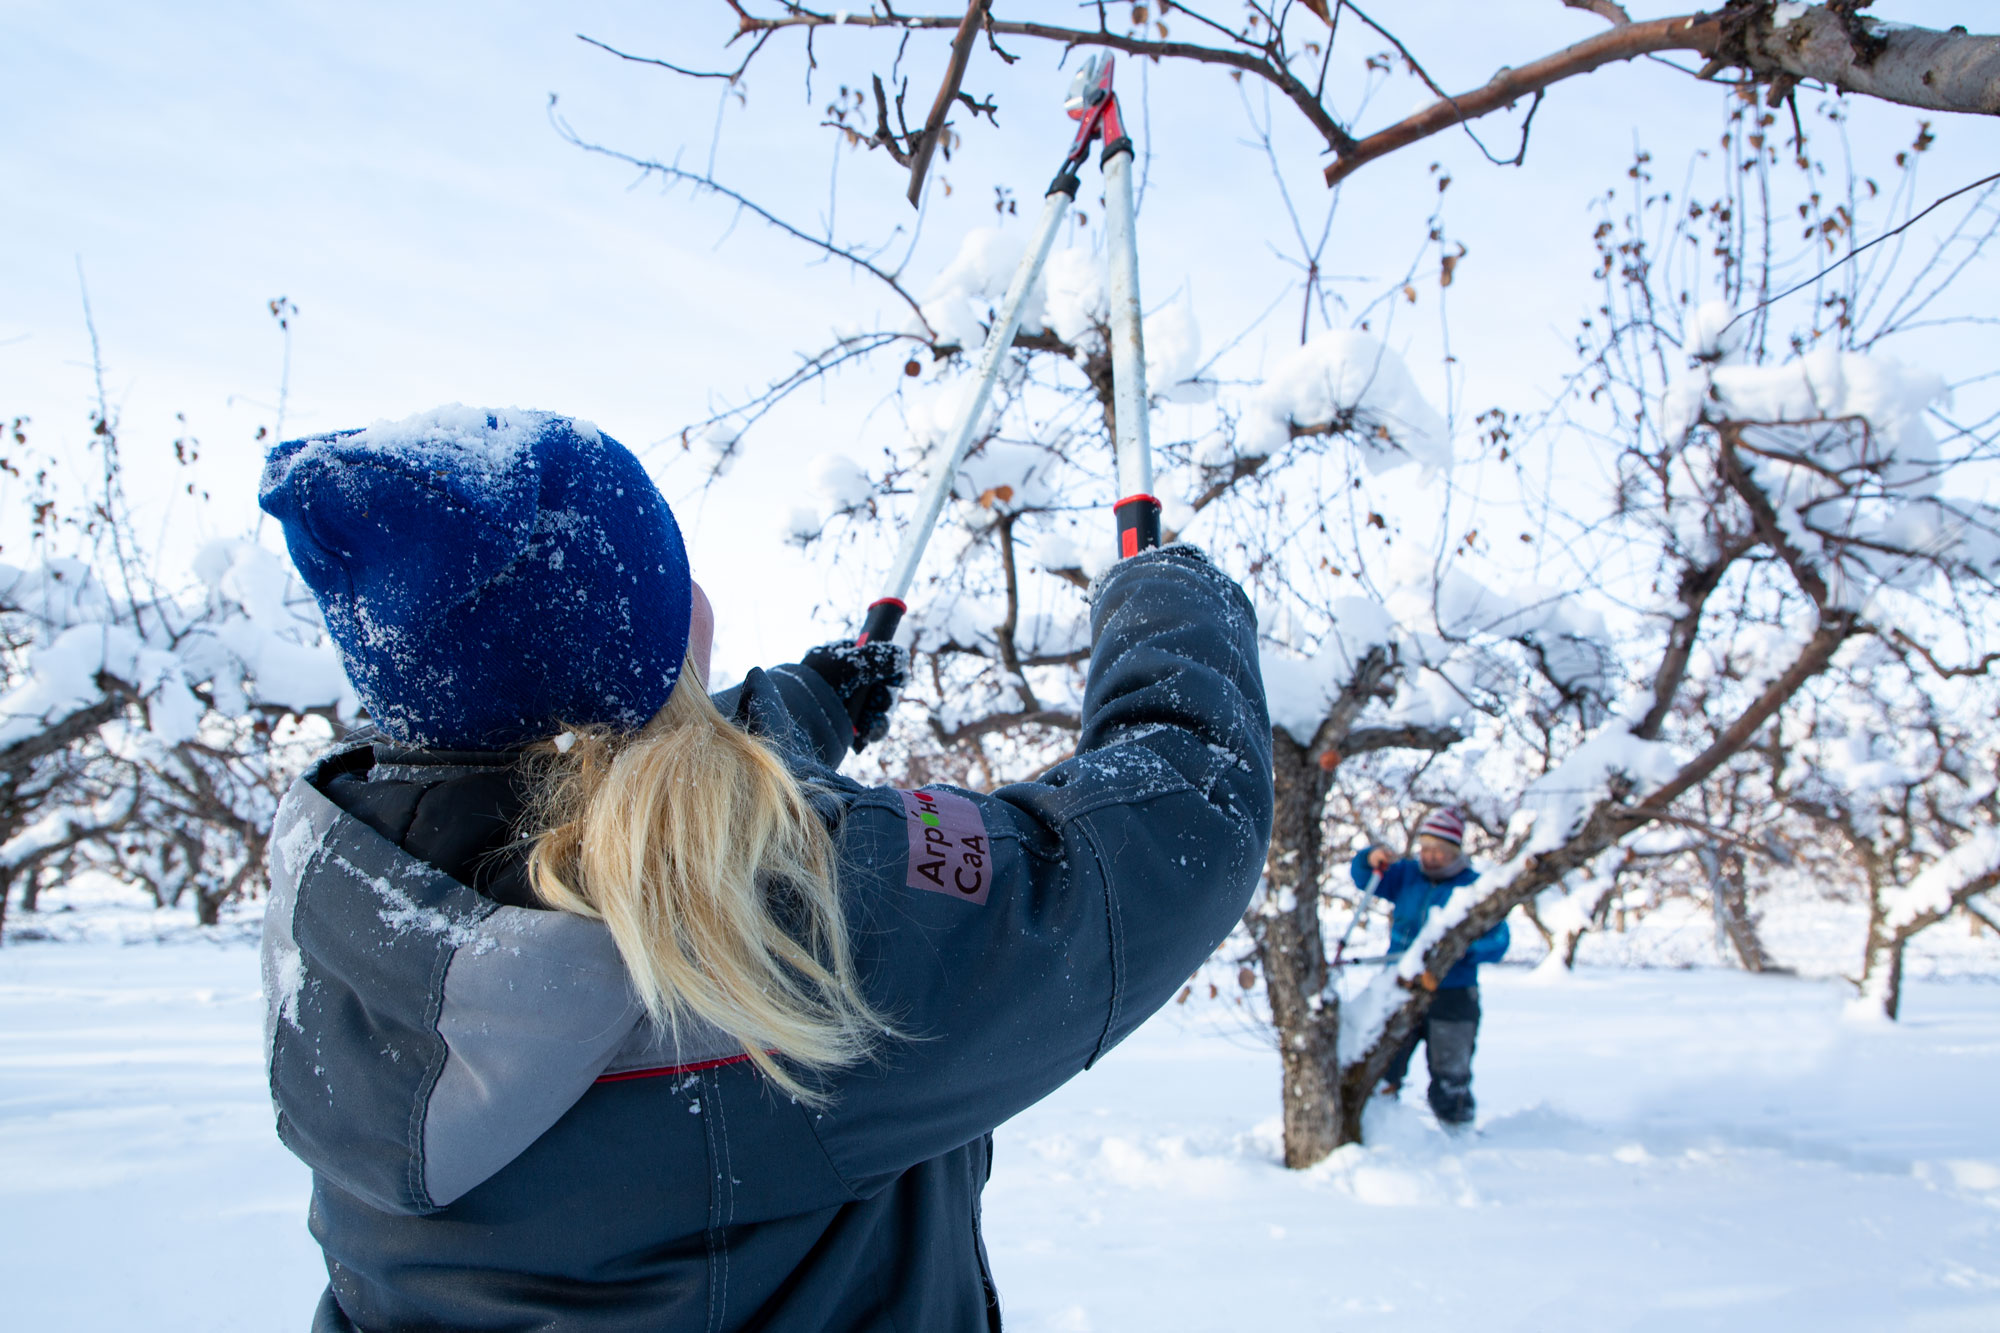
point(1138, 524)
point(882, 619)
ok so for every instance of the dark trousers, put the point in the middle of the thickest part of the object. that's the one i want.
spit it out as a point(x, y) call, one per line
point(1449, 1032)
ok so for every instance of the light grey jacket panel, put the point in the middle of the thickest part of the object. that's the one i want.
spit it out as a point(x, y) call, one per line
point(301, 826)
point(534, 1007)
point(421, 1037)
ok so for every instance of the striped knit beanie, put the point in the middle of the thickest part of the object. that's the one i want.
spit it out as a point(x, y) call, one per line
point(1445, 824)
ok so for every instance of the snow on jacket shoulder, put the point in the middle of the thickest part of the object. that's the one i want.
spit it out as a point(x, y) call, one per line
point(1414, 895)
point(500, 1139)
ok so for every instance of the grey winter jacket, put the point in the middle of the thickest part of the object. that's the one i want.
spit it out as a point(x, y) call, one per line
point(499, 1138)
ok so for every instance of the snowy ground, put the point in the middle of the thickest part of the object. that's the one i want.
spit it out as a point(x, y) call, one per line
point(1661, 1149)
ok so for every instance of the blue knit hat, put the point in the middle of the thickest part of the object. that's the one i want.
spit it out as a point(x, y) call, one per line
point(488, 575)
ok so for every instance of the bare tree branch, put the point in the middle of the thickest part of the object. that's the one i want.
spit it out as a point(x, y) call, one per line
point(1607, 10)
point(730, 76)
point(1261, 62)
point(1939, 71)
point(701, 182)
point(954, 74)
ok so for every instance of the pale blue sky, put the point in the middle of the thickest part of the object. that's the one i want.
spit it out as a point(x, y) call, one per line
point(391, 169)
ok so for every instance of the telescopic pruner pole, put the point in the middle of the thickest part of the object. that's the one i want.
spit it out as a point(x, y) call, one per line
point(886, 613)
point(1360, 911)
point(1137, 511)
point(1091, 102)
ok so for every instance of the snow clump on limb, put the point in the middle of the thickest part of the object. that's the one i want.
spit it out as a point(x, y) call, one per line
point(1300, 690)
point(1173, 352)
point(1713, 334)
point(802, 525)
point(1933, 889)
point(1348, 378)
point(1071, 302)
point(1002, 477)
point(974, 280)
point(252, 636)
point(839, 486)
point(1826, 384)
point(721, 438)
point(262, 641)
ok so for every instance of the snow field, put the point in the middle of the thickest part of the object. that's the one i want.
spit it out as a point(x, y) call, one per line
point(1660, 1150)
point(141, 1184)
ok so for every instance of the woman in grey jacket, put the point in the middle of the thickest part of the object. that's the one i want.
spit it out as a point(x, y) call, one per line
point(599, 1005)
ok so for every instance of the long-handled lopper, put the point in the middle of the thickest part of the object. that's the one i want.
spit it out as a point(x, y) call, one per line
point(1360, 911)
point(1093, 103)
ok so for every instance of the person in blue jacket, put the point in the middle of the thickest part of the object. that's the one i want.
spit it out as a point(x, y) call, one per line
point(598, 1004)
point(1415, 887)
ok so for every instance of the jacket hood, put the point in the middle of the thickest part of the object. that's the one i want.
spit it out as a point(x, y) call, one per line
point(420, 1036)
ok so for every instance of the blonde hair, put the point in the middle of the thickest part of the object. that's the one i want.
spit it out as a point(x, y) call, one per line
point(697, 848)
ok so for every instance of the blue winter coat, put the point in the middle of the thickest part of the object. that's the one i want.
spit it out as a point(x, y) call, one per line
point(1414, 896)
point(501, 1140)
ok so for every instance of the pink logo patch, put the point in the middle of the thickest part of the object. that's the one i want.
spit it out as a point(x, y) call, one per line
point(948, 845)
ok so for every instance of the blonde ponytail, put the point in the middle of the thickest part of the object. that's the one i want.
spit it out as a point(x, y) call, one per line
point(694, 844)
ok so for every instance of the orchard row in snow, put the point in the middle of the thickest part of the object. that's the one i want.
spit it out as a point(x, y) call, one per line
point(1742, 642)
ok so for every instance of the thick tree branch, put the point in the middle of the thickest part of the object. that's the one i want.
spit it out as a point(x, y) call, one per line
point(954, 74)
point(1363, 740)
point(1697, 584)
point(1047, 717)
point(67, 730)
point(1836, 628)
point(1626, 42)
point(1003, 633)
point(1939, 71)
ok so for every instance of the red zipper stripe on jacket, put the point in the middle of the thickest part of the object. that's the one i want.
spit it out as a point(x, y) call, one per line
point(668, 1071)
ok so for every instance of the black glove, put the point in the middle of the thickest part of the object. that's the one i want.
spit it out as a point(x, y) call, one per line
point(868, 677)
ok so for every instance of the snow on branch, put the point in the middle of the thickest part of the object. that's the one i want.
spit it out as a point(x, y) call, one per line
point(1345, 382)
point(1953, 877)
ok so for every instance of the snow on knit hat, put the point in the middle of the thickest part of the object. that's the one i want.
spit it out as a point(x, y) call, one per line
point(488, 575)
point(1445, 824)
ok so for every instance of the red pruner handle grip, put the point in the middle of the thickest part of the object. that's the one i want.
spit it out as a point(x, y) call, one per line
point(1138, 524)
point(882, 620)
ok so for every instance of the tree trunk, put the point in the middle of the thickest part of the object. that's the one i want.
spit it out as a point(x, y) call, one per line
point(1741, 927)
point(1876, 982)
point(1890, 984)
point(1529, 910)
point(1292, 957)
point(1729, 899)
